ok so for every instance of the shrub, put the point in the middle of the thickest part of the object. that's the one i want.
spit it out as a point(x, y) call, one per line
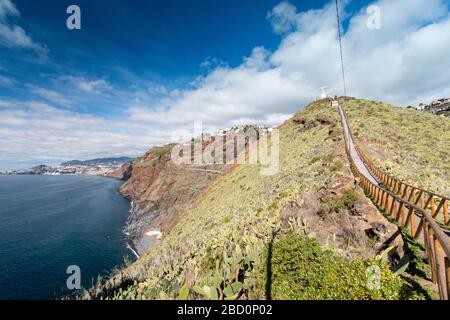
point(314, 160)
point(337, 166)
point(296, 267)
point(336, 204)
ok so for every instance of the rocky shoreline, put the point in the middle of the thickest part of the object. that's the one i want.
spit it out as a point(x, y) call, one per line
point(139, 231)
point(161, 192)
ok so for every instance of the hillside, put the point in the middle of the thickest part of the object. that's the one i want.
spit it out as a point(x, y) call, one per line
point(99, 161)
point(161, 192)
point(241, 234)
point(408, 144)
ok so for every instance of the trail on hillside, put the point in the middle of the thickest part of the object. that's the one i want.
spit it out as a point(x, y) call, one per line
point(353, 153)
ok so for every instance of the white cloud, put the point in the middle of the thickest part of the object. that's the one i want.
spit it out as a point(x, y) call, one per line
point(212, 62)
point(283, 17)
point(51, 96)
point(93, 86)
point(404, 63)
point(258, 59)
point(35, 132)
point(6, 81)
point(6, 104)
point(14, 36)
point(7, 8)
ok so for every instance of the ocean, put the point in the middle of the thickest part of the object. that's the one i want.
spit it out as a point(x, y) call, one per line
point(48, 223)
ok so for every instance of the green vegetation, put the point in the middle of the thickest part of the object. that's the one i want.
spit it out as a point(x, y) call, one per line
point(408, 144)
point(337, 166)
point(219, 248)
point(417, 270)
point(298, 268)
point(314, 160)
point(336, 204)
point(155, 155)
point(226, 280)
point(231, 216)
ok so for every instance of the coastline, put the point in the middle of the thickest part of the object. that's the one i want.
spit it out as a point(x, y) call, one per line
point(130, 244)
point(139, 240)
point(89, 205)
point(127, 230)
point(141, 235)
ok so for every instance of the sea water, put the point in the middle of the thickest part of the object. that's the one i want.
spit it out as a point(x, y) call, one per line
point(48, 223)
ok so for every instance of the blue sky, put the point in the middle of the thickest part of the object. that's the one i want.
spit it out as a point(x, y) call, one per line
point(137, 44)
point(138, 71)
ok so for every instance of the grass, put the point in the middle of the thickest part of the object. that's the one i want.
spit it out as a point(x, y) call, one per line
point(155, 154)
point(336, 204)
point(239, 216)
point(337, 166)
point(418, 270)
point(298, 268)
point(231, 216)
point(408, 144)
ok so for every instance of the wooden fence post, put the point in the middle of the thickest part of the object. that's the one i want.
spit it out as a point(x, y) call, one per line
point(447, 275)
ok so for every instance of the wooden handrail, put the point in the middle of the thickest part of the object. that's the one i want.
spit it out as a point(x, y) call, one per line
point(437, 204)
point(437, 243)
point(405, 212)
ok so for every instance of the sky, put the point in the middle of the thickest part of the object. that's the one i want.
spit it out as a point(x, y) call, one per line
point(138, 72)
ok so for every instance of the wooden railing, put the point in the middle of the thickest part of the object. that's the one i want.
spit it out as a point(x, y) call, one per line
point(413, 217)
point(436, 204)
point(418, 222)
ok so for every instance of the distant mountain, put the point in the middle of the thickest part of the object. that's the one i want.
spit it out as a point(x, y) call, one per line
point(100, 161)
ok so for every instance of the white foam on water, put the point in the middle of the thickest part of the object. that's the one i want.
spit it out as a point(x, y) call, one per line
point(132, 250)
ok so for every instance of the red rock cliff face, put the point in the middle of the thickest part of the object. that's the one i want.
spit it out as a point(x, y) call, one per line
point(162, 191)
point(123, 173)
point(145, 173)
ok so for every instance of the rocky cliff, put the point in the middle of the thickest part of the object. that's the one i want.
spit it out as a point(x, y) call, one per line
point(123, 173)
point(220, 231)
point(161, 191)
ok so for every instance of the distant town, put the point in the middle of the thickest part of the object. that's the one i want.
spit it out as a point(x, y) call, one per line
point(94, 167)
point(439, 107)
point(111, 166)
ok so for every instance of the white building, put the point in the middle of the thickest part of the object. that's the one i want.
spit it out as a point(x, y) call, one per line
point(323, 93)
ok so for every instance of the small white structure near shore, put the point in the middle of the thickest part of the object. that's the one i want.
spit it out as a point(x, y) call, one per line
point(154, 233)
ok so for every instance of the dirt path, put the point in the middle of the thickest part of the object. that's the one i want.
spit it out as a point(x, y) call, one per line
point(205, 170)
point(360, 164)
point(353, 154)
